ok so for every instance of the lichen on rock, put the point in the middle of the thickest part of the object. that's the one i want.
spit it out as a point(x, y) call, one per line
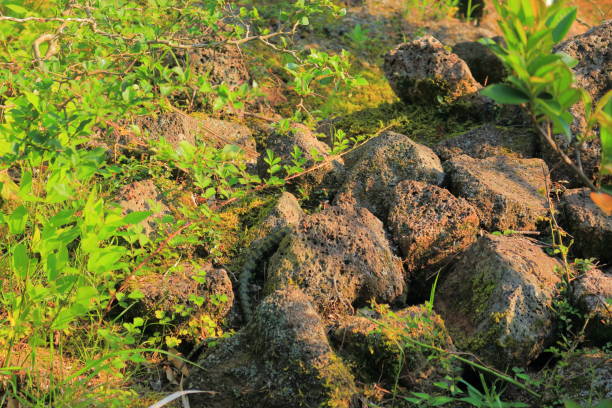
point(423, 70)
point(340, 257)
point(508, 193)
point(379, 165)
point(281, 359)
point(496, 300)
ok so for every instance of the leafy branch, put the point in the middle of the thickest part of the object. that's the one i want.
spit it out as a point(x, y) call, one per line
point(543, 82)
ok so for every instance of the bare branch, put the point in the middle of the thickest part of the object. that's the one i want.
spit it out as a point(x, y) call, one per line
point(185, 46)
point(47, 19)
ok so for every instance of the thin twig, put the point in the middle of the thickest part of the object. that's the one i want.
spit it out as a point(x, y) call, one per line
point(184, 46)
point(546, 133)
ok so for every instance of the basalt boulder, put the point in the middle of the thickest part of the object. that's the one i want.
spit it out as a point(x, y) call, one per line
point(143, 196)
point(585, 377)
point(588, 224)
point(313, 152)
point(507, 192)
point(423, 70)
point(384, 350)
point(381, 164)
point(189, 292)
point(430, 227)
point(341, 258)
point(282, 358)
point(590, 293)
point(496, 300)
point(593, 72)
point(490, 140)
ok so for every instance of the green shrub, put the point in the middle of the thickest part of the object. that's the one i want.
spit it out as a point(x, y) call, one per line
point(543, 82)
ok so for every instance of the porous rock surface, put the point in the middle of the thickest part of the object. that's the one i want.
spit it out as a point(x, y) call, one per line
point(176, 127)
point(422, 70)
point(593, 50)
point(282, 144)
point(489, 140)
point(430, 226)
point(220, 63)
point(339, 257)
point(588, 224)
point(496, 300)
point(382, 349)
point(590, 293)
point(285, 212)
point(282, 358)
point(143, 196)
point(381, 164)
point(507, 192)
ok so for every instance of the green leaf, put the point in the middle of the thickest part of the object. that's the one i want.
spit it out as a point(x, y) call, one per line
point(17, 220)
point(136, 217)
point(440, 400)
point(562, 28)
point(21, 261)
point(21, 11)
point(505, 94)
point(607, 403)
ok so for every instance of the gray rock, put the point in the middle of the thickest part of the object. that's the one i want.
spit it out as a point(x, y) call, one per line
point(383, 349)
point(590, 292)
point(221, 63)
point(587, 223)
point(381, 164)
point(484, 65)
point(490, 140)
point(496, 300)
point(430, 226)
point(593, 50)
point(281, 359)
point(590, 157)
point(507, 192)
point(586, 379)
point(422, 71)
point(143, 196)
point(450, 31)
point(286, 212)
point(339, 257)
